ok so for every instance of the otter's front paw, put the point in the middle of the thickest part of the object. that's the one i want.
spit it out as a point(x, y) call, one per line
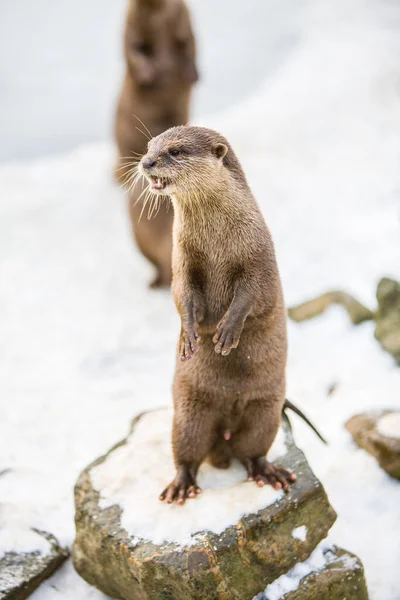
point(227, 336)
point(188, 343)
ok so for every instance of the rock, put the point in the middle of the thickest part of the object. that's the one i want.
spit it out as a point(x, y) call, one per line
point(21, 573)
point(379, 434)
point(246, 542)
point(357, 312)
point(339, 575)
point(387, 317)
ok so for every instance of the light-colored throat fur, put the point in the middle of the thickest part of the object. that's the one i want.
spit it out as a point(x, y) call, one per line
point(224, 215)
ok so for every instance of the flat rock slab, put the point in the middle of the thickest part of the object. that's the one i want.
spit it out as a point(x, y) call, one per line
point(379, 434)
point(334, 575)
point(21, 573)
point(228, 543)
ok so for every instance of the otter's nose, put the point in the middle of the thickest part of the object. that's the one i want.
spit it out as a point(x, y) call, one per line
point(148, 162)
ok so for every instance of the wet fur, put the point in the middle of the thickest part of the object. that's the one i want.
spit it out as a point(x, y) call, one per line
point(160, 72)
point(231, 358)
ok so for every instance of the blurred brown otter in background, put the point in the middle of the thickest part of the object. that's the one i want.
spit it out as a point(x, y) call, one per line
point(228, 398)
point(160, 73)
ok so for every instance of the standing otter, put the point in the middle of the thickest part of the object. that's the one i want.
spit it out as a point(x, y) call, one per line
point(228, 399)
point(161, 70)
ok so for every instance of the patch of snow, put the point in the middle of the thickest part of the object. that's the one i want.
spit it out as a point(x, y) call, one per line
point(85, 346)
point(389, 425)
point(124, 479)
point(300, 533)
point(291, 580)
point(65, 584)
point(16, 533)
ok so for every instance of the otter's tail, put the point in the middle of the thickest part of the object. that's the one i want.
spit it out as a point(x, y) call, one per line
point(298, 412)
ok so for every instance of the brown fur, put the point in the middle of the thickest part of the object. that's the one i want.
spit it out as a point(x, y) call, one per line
point(228, 398)
point(160, 72)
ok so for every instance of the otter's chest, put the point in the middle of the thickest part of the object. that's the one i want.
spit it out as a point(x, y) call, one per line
point(214, 274)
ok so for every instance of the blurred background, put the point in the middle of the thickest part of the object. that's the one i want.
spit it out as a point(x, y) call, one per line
point(308, 93)
point(61, 64)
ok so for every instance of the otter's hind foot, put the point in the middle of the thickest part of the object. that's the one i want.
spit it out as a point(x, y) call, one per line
point(262, 472)
point(183, 486)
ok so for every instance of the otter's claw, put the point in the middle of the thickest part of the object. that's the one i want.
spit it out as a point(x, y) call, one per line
point(227, 337)
point(178, 492)
point(188, 344)
point(263, 472)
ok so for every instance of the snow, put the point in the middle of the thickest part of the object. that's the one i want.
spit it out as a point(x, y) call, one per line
point(85, 346)
point(300, 533)
point(225, 498)
point(289, 582)
point(20, 537)
point(389, 425)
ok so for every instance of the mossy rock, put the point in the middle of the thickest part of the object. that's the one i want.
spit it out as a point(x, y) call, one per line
point(21, 573)
point(341, 577)
point(368, 434)
point(387, 318)
point(233, 564)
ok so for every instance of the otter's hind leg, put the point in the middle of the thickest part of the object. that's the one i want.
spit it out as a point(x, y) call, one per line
point(251, 443)
point(193, 433)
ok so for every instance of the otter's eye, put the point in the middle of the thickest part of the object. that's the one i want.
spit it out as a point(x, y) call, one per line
point(175, 152)
point(144, 48)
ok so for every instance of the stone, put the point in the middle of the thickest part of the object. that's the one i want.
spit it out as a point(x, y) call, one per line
point(357, 312)
point(375, 433)
point(231, 564)
point(341, 577)
point(387, 317)
point(21, 573)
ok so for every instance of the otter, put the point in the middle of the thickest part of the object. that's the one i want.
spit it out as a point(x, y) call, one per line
point(229, 383)
point(161, 69)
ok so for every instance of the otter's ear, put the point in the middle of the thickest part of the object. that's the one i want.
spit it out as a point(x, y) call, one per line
point(220, 151)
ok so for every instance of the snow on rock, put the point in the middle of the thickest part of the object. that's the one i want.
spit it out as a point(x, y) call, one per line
point(134, 475)
point(300, 533)
point(27, 558)
point(85, 346)
point(329, 571)
point(389, 425)
point(290, 581)
point(366, 433)
point(232, 538)
point(16, 534)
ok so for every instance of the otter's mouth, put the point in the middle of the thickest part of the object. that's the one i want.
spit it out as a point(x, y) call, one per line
point(158, 183)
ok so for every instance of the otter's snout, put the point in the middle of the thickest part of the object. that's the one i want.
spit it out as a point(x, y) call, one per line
point(148, 162)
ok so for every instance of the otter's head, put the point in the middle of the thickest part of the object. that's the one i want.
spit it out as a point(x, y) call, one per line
point(188, 161)
point(159, 44)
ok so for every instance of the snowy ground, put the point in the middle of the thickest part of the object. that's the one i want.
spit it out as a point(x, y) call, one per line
point(85, 345)
point(62, 91)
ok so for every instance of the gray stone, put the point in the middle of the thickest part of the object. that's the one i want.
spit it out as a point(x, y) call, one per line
point(365, 432)
point(22, 573)
point(231, 566)
point(341, 578)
